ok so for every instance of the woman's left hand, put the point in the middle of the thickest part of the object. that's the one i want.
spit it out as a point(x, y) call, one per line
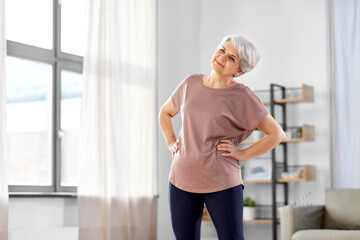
point(233, 151)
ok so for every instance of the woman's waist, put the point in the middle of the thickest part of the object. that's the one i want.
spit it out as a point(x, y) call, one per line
point(206, 162)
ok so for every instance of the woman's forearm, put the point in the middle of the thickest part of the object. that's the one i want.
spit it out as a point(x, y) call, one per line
point(167, 128)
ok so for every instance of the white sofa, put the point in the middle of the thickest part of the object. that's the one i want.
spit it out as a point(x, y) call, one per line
point(338, 219)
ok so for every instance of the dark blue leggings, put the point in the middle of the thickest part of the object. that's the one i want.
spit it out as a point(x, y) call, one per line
point(225, 208)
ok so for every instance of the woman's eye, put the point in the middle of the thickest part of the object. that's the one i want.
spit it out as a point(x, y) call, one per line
point(221, 50)
point(232, 59)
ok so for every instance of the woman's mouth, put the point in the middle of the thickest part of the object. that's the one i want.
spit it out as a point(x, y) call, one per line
point(218, 63)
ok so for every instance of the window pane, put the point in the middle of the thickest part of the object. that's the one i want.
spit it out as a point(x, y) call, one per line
point(71, 90)
point(28, 118)
point(73, 26)
point(30, 22)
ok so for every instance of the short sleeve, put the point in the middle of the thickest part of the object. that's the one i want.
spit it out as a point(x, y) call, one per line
point(178, 96)
point(255, 111)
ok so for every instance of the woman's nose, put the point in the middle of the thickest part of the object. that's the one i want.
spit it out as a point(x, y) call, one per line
point(222, 58)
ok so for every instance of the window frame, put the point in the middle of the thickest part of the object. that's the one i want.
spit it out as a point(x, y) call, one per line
point(59, 61)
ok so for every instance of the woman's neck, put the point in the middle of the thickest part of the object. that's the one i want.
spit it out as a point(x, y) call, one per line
point(214, 80)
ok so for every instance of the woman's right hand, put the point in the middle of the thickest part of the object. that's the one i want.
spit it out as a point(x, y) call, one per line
point(173, 148)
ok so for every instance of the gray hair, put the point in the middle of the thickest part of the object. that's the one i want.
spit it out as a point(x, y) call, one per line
point(248, 53)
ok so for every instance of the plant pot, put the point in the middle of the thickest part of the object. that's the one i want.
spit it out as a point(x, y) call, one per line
point(249, 213)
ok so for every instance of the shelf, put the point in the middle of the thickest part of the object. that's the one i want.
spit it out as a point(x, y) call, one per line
point(308, 134)
point(307, 95)
point(307, 175)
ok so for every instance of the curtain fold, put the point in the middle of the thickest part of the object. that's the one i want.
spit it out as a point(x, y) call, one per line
point(345, 84)
point(4, 196)
point(117, 184)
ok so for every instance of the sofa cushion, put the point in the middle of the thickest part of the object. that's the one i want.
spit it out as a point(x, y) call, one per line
point(342, 209)
point(308, 217)
point(326, 234)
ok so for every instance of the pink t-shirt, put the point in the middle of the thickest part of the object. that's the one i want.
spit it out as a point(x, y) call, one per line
point(209, 115)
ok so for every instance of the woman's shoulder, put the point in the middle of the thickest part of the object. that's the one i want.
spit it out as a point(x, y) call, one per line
point(240, 87)
point(244, 91)
point(188, 81)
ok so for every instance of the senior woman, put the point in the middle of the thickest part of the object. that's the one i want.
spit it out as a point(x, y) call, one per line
point(217, 114)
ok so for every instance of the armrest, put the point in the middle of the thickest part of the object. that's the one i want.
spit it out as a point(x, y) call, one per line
point(293, 219)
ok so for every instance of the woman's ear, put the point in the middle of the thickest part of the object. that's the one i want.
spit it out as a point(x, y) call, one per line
point(238, 73)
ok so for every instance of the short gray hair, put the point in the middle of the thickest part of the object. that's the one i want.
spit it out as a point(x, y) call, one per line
point(248, 53)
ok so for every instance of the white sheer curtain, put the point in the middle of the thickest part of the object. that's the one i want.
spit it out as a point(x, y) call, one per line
point(117, 184)
point(345, 58)
point(4, 197)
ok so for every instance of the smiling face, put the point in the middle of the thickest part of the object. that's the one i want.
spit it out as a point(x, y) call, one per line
point(226, 60)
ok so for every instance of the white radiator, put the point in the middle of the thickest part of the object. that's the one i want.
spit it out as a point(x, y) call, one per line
point(65, 233)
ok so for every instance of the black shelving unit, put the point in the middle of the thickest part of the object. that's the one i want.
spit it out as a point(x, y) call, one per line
point(274, 182)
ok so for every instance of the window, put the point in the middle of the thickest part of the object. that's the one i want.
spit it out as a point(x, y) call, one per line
point(71, 86)
point(45, 42)
point(29, 121)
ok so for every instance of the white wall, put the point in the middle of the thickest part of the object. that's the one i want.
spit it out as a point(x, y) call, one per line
point(178, 56)
point(293, 39)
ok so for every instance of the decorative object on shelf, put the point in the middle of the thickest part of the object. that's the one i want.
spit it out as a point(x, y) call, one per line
point(249, 212)
point(294, 133)
point(298, 133)
point(301, 134)
point(297, 174)
point(292, 175)
point(258, 169)
point(293, 94)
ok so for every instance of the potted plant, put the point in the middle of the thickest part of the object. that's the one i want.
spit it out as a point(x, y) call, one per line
point(297, 132)
point(249, 209)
